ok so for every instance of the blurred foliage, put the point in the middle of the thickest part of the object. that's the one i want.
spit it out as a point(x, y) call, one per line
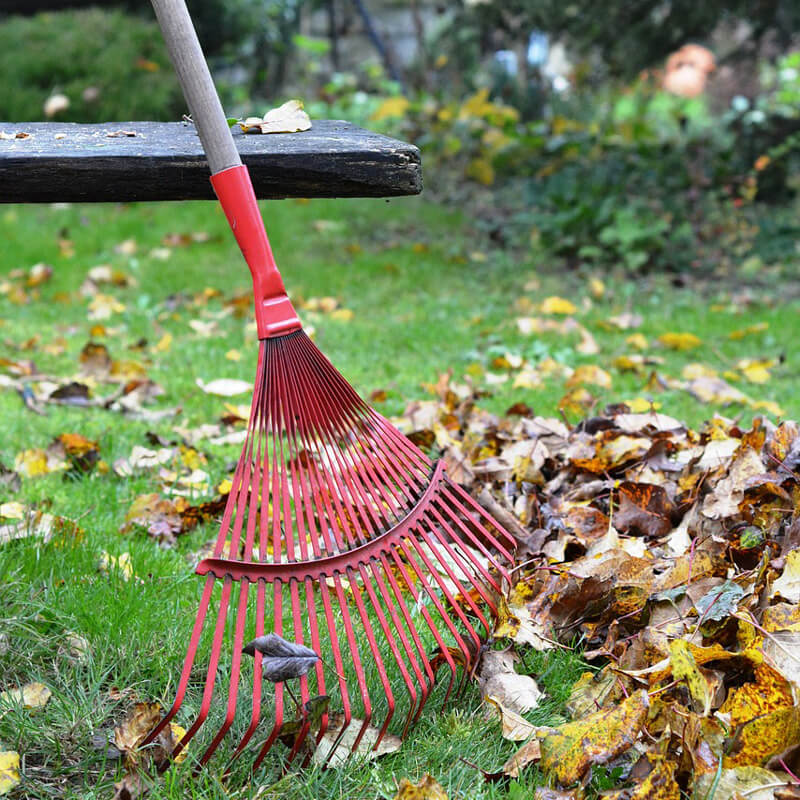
point(625, 36)
point(629, 177)
point(108, 64)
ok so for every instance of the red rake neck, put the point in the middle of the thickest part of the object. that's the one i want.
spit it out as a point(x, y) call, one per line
point(275, 315)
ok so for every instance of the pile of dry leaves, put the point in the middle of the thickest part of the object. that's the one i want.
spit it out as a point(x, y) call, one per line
point(672, 557)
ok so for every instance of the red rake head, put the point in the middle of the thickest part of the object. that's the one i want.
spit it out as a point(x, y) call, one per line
point(358, 547)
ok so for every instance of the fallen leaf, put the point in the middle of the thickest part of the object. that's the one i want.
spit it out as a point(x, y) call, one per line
point(121, 564)
point(333, 753)
point(530, 752)
point(9, 770)
point(680, 341)
point(515, 727)
point(225, 387)
point(557, 305)
point(570, 750)
point(426, 789)
point(591, 374)
point(32, 695)
point(787, 586)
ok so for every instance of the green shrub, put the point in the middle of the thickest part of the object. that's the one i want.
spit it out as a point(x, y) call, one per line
point(109, 64)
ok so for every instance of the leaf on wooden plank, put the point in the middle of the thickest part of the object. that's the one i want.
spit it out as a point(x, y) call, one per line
point(426, 789)
point(287, 118)
point(225, 387)
point(9, 770)
point(333, 753)
point(281, 660)
point(570, 750)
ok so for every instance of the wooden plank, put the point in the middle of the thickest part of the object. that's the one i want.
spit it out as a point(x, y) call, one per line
point(68, 162)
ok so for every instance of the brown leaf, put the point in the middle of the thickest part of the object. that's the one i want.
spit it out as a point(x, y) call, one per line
point(426, 789)
point(644, 510)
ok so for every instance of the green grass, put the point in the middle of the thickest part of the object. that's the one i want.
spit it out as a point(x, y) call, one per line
point(427, 295)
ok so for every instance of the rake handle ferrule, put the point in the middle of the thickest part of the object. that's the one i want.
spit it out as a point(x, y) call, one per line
point(275, 314)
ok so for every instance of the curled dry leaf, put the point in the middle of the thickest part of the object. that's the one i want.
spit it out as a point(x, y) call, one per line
point(529, 753)
point(281, 660)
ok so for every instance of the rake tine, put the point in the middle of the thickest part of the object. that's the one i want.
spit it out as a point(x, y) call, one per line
point(434, 573)
point(278, 723)
point(426, 682)
point(460, 499)
point(373, 646)
point(211, 674)
point(183, 682)
point(257, 683)
point(233, 685)
point(426, 616)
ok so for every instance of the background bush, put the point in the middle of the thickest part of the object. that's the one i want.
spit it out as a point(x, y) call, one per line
point(110, 64)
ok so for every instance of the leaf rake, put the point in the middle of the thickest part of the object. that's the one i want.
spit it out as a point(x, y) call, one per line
point(337, 527)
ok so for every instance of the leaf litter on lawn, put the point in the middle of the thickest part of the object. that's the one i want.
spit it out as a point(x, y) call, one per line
point(671, 557)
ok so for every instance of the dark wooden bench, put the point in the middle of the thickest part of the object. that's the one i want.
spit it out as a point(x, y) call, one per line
point(43, 162)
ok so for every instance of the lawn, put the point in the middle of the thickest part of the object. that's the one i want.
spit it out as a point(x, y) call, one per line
point(415, 291)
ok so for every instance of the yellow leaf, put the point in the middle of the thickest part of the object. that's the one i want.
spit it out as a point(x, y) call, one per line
point(679, 341)
point(632, 363)
point(12, 510)
point(758, 327)
point(122, 564)
point(233, 355)
point(9, 770)
point(32, 695)
point(164, 343)
point(557, 305)
point(755, 371)
point(577, 401)
point(695, 370)
point(178, 732)
point(570, 750)
point(591, 374)
point(426, 789)
point(684, 668)
point(597, 288)
point(641, 405)
point(769, 406)
point(342, 314)
point(637, 340)
point(103, 306)
point(391, 107)
point(225, 486)
point(481, 170)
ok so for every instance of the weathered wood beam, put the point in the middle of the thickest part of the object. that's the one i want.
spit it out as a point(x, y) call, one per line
point(128, 161)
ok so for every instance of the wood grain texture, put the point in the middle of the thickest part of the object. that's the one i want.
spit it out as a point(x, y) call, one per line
point(68, 162)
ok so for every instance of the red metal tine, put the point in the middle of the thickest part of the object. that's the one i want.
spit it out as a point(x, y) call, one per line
point(188, 662)
point(278, 722)
point(425, 680)
point(233, 684)
point(434, 629)
point(211, 674)
point(366, 623)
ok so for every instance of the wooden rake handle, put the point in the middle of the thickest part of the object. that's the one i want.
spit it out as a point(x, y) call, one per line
point(275, 315)
point(198, 87)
